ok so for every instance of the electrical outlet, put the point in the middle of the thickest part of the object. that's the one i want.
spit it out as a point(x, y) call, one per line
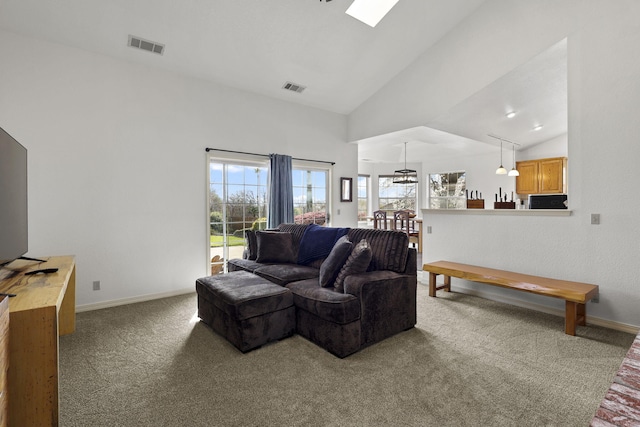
point(595, 219)
point(428, 229)
point(96, 285)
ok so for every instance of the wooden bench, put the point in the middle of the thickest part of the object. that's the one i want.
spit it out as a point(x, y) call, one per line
point(575, 294)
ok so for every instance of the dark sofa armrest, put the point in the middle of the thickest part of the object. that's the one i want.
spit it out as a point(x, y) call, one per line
point(353, 284)
point(387, 302)
point(412, 262)
point(356, 283)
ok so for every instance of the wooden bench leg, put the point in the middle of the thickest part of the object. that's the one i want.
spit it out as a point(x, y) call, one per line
point(575, 314)
point(570, 316)
point(432, 284)
point(582, 314)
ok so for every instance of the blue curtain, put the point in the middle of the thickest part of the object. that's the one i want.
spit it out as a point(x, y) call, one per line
point(280, 190)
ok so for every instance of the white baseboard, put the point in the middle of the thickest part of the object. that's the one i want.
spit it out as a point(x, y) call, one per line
point(618, 326)
point(132, 300)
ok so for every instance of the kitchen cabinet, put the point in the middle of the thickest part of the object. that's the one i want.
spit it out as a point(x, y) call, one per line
point(542, 176)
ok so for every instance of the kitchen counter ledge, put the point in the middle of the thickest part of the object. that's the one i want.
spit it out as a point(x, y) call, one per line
point(514, 212)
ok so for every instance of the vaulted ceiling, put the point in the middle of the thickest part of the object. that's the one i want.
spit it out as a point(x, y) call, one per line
point(258, 46)
point(255, 45)
point(536, 92)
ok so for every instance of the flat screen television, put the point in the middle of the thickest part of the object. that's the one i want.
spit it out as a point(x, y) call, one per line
point(13, 199)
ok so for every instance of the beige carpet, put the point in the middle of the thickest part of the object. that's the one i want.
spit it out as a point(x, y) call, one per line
point(469, 362)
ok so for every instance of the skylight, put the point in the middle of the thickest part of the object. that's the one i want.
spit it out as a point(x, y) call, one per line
point(370, 11)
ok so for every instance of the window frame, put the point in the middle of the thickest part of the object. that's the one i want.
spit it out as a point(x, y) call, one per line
point(366, 200)
point(301, 165)
point(455, 197)
point(397, 206)
point(229, 239)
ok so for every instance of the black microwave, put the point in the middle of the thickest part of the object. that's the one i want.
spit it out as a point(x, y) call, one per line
point(548, 201)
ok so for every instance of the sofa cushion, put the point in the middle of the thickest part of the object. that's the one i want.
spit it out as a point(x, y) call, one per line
point(275, 246)
point(282, 274)
point(326, 303)
point(358, 261)
point(243, 295)
point(252, 244)
point(317, 242)
point(389, 249)
point(239, 264)
point(297, 231)
point(331, 266)
point(317, 263)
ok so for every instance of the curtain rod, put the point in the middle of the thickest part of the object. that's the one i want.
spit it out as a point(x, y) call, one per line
point(265, 155)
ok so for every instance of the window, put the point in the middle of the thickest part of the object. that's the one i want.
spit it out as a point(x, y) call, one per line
point(310, 195)
point(394, 197)
point(447, 190)
point(363, 197)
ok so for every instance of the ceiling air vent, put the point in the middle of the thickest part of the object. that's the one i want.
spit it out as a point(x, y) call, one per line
point(147, 45)
point(294, 87)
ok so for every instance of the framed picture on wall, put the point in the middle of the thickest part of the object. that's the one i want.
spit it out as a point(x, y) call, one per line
point(346, 189)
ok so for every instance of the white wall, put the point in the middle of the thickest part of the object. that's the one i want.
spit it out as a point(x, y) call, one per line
point(117, 169)
point(604, 97)
point(556, 147)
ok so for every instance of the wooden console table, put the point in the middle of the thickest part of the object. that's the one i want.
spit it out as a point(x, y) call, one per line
point(43, 309)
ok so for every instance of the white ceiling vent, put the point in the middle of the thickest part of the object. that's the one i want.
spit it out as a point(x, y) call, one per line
point(147, 45)
point(294, 87)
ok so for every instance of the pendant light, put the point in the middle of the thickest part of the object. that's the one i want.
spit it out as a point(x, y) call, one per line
point(501, 170)
point(405, 176)
point(514, 171)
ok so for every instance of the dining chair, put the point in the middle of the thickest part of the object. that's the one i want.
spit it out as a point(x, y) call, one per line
point(380, 219)
point(402, 222)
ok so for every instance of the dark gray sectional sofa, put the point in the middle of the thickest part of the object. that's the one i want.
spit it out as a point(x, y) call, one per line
point(363, 309)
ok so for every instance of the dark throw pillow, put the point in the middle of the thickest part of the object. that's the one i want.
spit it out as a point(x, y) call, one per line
point(252, 244)
point(358, 262)
point(332, 265)
point(275, 246)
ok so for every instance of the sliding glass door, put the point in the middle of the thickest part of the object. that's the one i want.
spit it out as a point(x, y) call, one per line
point(237, 201)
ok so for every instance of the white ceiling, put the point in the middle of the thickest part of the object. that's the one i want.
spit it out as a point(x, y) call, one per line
point(536, 91)
point(255, 45)
point(258, 45)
